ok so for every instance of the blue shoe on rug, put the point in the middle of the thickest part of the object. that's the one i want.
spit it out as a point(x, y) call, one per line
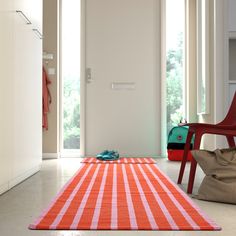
point(115, 155)
point(100, 155)
point(110, 156)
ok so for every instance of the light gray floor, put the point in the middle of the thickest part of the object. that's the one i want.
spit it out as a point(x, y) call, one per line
point(21, 205)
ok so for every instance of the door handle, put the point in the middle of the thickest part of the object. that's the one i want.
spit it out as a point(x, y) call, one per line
point(38, 33)
point(28, 22)
point(89, 78)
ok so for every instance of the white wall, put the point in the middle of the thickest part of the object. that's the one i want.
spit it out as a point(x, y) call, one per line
point(217, 71)
point(6, 101)
point(20, 93)
point(231, 15)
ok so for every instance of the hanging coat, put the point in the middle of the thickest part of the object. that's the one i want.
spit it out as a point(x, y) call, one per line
point(46, 99)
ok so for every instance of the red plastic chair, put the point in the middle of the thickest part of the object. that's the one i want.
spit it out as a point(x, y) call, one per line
point(227, 127)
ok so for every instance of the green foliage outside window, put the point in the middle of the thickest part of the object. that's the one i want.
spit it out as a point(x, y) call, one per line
point(174, 84)
point(71, 108)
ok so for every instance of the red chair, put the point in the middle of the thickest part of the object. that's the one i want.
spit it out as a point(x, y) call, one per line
point(227, 127)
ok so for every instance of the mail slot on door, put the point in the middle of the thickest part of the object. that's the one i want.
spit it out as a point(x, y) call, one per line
point(123, 86)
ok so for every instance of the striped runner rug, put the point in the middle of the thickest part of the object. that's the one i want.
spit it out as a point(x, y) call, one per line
point(122, 197)
point(125, 160)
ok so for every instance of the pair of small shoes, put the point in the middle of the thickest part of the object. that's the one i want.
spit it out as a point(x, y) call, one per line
point(111, 155)
point(108, 155)
point(100, 155)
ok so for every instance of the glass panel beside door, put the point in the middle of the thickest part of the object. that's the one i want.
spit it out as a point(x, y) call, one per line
point(70, 77)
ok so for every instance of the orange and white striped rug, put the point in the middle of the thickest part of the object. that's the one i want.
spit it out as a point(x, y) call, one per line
point(125, 160)
point(122, 197)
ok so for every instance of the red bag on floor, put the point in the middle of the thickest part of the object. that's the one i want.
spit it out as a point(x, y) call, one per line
point(177, 155)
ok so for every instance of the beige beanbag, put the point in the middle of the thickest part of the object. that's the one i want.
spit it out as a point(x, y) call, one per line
point(219, 183)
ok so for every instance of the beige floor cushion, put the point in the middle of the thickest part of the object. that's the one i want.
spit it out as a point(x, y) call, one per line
point(219, 184)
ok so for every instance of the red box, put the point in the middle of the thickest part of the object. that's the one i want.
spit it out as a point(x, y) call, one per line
point(177, 155)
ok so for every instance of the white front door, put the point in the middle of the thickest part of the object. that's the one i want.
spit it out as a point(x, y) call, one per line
point(123, 95)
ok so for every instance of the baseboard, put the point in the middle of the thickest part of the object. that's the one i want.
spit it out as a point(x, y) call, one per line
point(18, 179)
point(71, 155)
point(13, 182)
point(51, 155)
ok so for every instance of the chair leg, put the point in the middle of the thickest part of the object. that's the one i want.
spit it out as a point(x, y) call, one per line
point(230, 140)
point(185, 156)
point(192, 176)
point(193, 167)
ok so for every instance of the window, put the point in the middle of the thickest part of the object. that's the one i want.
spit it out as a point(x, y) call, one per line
point(203, 57)
point(70, 75)
point(175, 82)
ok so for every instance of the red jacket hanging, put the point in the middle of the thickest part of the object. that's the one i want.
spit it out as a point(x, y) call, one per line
point(46, 99)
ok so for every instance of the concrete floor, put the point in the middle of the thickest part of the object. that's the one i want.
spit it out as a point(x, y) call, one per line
point(22, 204)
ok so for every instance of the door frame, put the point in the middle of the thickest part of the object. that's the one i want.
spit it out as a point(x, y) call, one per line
point(85, 59)
point(83, 80)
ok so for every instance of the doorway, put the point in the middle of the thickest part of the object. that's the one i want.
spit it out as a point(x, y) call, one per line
point(118, 81)
point(123, 77)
